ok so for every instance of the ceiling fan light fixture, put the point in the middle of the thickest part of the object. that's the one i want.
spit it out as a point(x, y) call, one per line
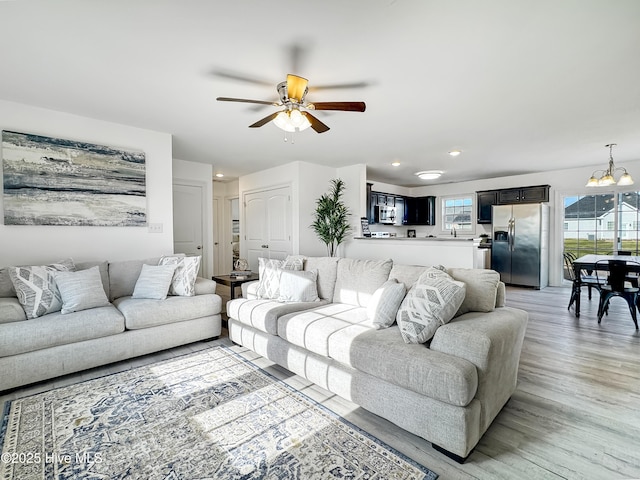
point(291, 121)
point(429, 174)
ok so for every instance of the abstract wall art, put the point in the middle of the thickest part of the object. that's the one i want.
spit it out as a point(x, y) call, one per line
point(52, 181)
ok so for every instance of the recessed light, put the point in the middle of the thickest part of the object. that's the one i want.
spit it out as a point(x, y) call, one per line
point(395, 163)
point(219, 175)
point(455, 153)
point(429, 174)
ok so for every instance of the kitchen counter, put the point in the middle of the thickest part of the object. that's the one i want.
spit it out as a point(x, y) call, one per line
point(413, 239)
point(461, 252)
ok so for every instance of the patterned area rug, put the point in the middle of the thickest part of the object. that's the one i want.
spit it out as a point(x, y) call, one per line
point(210, 414)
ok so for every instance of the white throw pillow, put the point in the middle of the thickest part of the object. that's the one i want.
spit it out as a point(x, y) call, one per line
point(184, 278)
point(154, 281)
point(298, 286)
point(431, 302)
point(36, 288)
point(81, 290)
point(384, 303)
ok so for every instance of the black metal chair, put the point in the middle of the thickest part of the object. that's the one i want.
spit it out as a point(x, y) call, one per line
point(586, 280)
point(615, 286)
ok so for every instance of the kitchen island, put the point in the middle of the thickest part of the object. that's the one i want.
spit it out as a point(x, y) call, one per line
point(450, 252)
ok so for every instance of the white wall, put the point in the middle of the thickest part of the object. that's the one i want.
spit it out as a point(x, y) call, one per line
point(192, 173)
point(25, 244)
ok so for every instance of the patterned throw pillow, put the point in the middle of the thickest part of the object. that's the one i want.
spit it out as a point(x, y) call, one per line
point(431, 302)
point(269, 285)
point(269, 272)
point(184, 278)
point(298, 286)
point(154, 281)
point(81, 290)
point(36, 287)
point(385, 301)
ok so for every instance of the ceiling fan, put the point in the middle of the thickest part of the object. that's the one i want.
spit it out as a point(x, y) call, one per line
point(295, 116)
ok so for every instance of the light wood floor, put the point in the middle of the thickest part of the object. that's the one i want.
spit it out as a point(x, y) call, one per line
point(575, 414)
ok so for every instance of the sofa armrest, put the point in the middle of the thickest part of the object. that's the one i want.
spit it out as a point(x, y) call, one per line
point(205, 285)
point(492, 341)
point(250, 290)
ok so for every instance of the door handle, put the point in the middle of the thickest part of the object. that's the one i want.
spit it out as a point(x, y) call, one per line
point(199, 247)
point(264, 246)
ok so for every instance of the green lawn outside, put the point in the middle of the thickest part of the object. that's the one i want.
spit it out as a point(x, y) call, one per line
point(581, 246)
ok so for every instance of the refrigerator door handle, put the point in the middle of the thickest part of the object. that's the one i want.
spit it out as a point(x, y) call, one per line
point(512, 228)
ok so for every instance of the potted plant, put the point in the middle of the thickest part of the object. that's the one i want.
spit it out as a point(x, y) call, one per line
point(331, 216)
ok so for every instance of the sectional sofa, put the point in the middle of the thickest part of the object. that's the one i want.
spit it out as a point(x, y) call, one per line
point(447, 390)
point(54, 344)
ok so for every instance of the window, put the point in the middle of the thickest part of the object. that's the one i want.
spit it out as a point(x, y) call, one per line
point(457, 213)
point(602, 223)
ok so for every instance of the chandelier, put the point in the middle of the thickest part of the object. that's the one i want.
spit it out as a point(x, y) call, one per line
point(607, 177)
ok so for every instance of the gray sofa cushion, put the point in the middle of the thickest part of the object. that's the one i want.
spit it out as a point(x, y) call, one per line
point(263, 314)
point(56, 329)
point(357, 280)
point(11, 310)
point(482, 288)
point(6, 286)
point(144, 312)
point(383, 354)
point(327, 268)
point(124, 275)
point(407, 274)
point(312, 329)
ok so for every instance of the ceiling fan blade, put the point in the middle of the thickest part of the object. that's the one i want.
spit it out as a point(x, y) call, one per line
point(239, 77)
point(265, 120)
point(316, 124)
point(342, 106)
point(296, 87)
point(244, 100)
point(339, 86)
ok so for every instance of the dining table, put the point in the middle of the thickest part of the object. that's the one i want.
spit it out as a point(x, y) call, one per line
point(588, 263)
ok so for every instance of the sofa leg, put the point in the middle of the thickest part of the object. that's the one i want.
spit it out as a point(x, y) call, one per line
point(452, 456)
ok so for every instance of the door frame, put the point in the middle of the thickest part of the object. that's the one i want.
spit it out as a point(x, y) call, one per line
point(207, 222)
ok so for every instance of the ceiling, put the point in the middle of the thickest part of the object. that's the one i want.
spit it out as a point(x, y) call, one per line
point(518, 86)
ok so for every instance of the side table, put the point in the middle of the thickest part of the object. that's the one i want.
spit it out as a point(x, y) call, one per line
point(232, 281)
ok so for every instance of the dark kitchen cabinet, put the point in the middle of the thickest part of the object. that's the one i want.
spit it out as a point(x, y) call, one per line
point(375, 199)
point(508, 196)
point(486, 200)
point(420, 210)
point(537, 194)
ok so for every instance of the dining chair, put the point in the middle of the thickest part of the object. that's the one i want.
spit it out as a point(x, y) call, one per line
point(586, 280)
point(614, 285)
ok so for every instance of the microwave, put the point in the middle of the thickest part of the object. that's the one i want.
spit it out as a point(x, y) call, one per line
point(385, 214)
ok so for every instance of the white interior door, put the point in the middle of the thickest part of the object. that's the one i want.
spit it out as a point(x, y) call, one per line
point(267, 225)
point(187, 220)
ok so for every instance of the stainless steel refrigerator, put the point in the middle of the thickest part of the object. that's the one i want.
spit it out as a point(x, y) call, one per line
point(520, 244)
